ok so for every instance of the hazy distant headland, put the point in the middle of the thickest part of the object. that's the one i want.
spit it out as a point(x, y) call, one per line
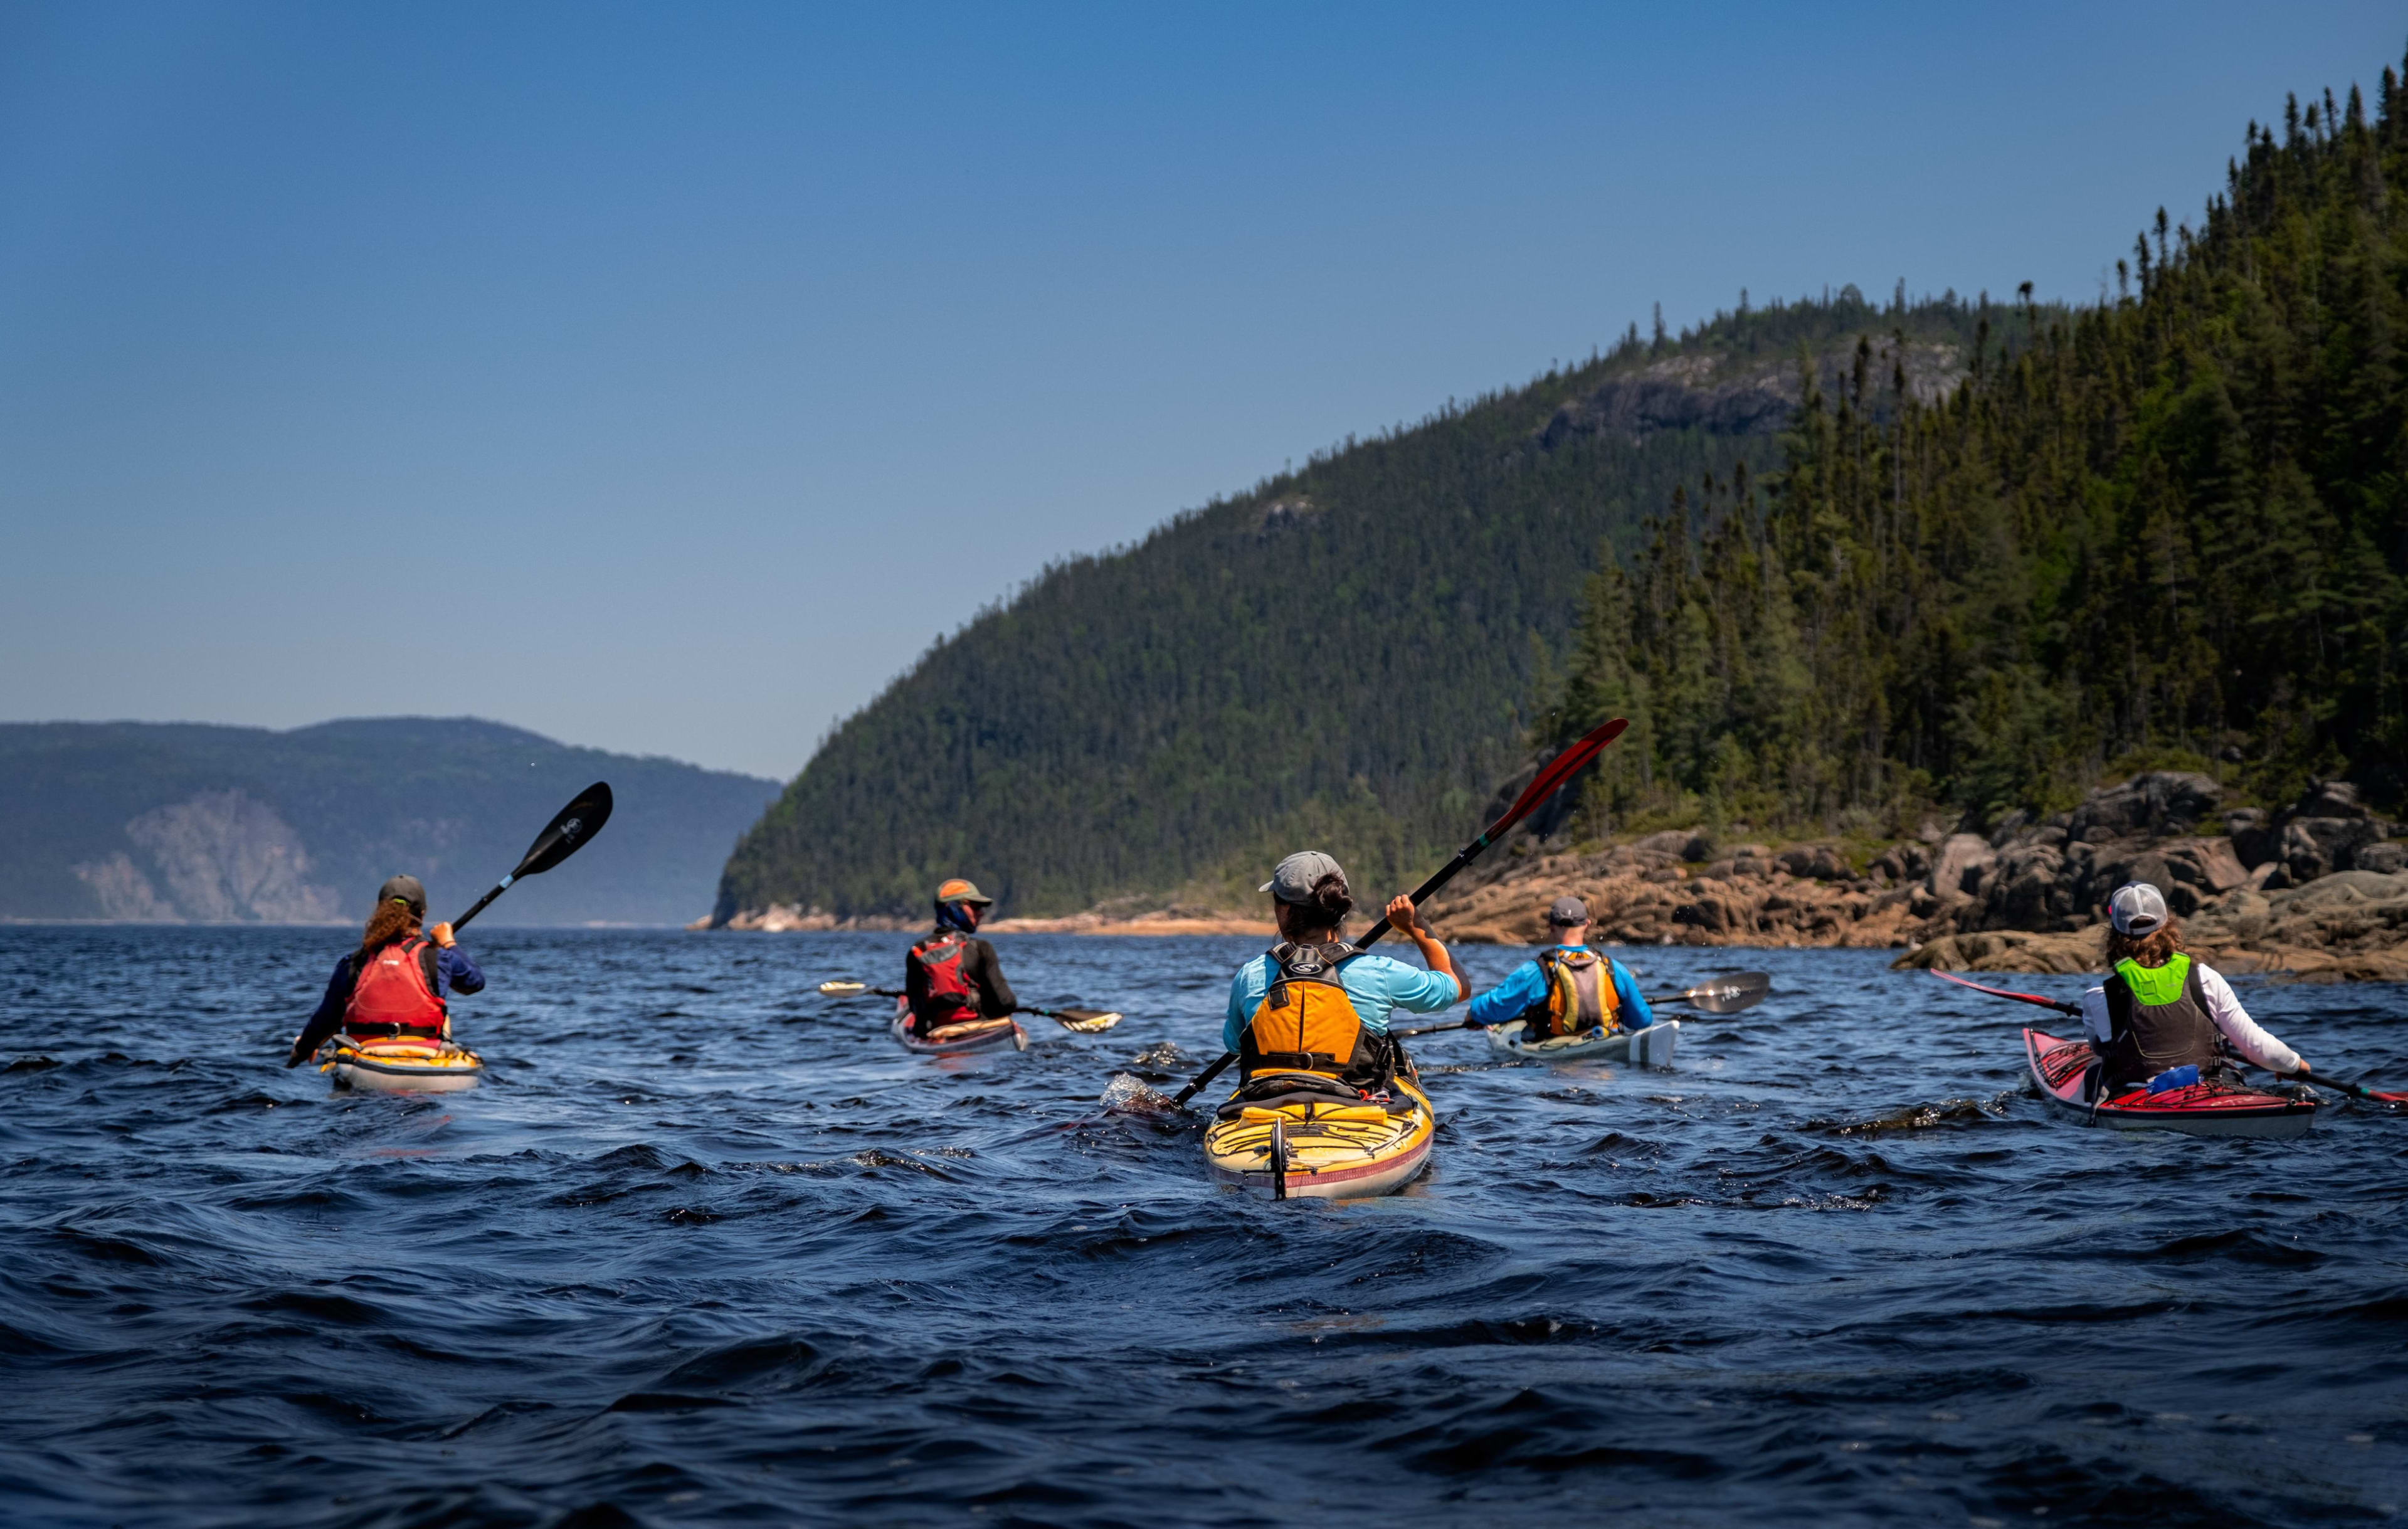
point(193, 823)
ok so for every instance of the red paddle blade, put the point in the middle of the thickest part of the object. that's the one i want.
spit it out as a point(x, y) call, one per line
point(2058, 1005)
point(1560, 769)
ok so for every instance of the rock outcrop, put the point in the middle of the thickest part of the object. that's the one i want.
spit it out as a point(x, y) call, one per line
point(2319, 889)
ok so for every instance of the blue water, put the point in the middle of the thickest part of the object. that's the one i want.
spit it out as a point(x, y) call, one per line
point(707, 1249)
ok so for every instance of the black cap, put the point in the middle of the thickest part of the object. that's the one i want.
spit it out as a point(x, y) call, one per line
point(1568, 913)
point(403, 890)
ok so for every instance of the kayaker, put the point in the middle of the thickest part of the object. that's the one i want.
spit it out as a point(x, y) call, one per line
point(1315, 1004)
point(396, 986)
point(2161, 1013)
point(1566, 990)
point(949, 977)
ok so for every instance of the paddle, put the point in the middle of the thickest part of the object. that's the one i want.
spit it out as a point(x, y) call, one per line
point(2058, 1004)
point(1086, 1021)
point(1725, 994)
point(563, 836)
point(2355, 1091)
point(1559, 770)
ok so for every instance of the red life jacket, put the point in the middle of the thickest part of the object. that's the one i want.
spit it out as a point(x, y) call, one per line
point(953, 995)
point(392, 995)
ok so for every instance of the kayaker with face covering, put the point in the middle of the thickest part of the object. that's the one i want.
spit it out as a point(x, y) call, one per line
point(396, 986)
point(1314, 1004)
point(1569, 989)
point(2161, 1013)
point(950, 978)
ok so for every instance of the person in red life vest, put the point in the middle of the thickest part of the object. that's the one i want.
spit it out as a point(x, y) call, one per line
point(2161, 1017)
point(397, 984)
point(950, 978)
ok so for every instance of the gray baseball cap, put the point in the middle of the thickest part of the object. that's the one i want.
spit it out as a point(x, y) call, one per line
point(1297, 876)
point(1565, 911)
point(404, 890)
point(2137, 908)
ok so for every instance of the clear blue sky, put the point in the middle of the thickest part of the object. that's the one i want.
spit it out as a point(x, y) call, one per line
point(665, 378)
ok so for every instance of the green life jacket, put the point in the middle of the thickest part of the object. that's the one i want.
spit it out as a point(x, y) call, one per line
point(2157, 1019)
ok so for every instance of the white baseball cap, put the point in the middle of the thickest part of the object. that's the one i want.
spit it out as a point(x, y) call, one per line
point(2137, 908)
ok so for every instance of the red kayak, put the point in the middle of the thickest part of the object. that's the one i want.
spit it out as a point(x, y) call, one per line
point(2201, 1109)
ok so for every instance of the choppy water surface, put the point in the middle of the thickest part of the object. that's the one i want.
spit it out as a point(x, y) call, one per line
point(709, 1249)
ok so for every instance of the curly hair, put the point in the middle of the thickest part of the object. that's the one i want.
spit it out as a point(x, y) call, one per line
point(391, 920)
point(2152, 949)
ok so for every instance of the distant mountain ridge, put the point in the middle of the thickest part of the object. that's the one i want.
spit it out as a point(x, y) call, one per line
point(1345, 655)
point(198, 823)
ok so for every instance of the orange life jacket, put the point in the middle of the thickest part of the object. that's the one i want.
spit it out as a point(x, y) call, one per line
point(392, 995)
point(1580, 996)
point(1305, 1023)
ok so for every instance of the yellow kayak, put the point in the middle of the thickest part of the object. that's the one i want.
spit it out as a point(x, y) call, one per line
point(1329, 1148)
point(403, 1067)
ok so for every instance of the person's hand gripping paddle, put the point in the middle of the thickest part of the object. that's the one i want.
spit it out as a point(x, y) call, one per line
point(1558, 773)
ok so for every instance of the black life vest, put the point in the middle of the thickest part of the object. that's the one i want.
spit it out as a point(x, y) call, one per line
point(953, 995)
point(1307, 1024)
point(2157, 1019)
point(394, 996)
point(1580, 996)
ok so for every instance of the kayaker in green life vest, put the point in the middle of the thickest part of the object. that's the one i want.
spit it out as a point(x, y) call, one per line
point(2161, 1016)
point(1567, 990)
point(950, 978)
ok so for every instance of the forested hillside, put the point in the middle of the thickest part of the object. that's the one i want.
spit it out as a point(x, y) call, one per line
point(2173, 530)
point(180, 822)
point(1346, 654)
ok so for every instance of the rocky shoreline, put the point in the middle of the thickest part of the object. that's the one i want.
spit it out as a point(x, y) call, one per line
point(2315, 891)
point(2318, 890)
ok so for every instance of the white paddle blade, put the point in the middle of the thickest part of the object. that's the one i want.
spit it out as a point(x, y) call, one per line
point(1088, 1021)
point(1730, 993)
point(841, 988)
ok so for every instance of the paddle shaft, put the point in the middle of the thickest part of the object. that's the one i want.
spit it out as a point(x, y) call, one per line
point(482, 903)
point(1559, 770)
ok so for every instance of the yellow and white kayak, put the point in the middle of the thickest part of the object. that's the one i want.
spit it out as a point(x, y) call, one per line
point(404, 1067)
point(953, 1039)
point(1324, 1148)
point(1649, 1047)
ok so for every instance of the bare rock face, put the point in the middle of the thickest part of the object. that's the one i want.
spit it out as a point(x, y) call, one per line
point(2317, 846)
point(224, 857)
point(2159, 802)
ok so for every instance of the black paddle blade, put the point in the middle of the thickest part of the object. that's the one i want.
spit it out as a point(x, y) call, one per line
point(1728, 993)
point(566, 833)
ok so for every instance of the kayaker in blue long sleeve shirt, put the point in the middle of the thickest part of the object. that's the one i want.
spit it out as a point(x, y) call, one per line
point(1572, 1003)
point(395, 985)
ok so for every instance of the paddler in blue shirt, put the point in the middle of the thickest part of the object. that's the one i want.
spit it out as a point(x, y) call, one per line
point(1281, 1018)
point(1567, 990)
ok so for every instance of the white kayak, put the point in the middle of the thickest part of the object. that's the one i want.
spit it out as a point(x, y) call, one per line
point(1649, 1047)
point(404, 1067)
point(952, 1040)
